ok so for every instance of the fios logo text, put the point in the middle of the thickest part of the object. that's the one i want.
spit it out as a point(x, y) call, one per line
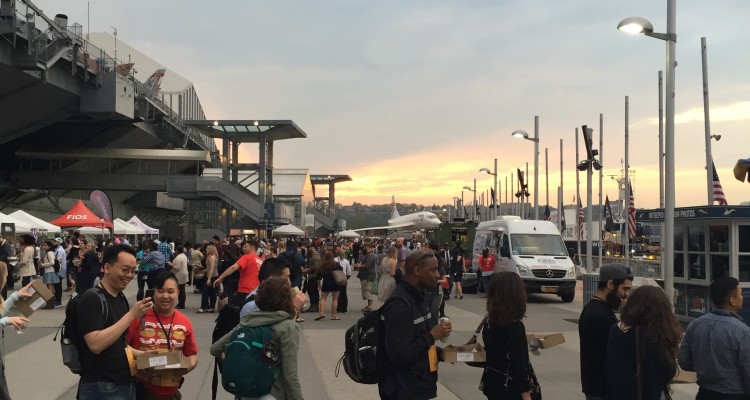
point(77, 217)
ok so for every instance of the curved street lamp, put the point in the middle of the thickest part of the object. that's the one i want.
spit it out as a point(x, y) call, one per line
point(643, 26)
point(497, 195)
point(474, 204)
point(524, 135)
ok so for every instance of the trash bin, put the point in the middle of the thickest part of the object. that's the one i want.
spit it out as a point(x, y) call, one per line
point(590, 283)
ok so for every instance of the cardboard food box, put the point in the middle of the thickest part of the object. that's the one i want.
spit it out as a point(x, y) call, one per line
point(162, 369)
point(464, 353)
point(545, 340)
point(685, 377)
point(40, 295)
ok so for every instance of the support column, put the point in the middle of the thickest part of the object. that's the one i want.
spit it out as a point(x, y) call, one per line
point(235, 161)
point(331, 198)
point(224, 158)
point(262, 169)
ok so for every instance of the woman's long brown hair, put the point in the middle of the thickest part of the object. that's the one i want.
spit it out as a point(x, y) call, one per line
point(506, 299)
point(649, 308)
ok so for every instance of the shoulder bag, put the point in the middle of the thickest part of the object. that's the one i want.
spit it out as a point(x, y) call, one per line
point(339, 276)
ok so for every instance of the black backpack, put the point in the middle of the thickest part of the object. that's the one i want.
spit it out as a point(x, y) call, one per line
point(228, 319)
point(70, 342)
point(364, 357)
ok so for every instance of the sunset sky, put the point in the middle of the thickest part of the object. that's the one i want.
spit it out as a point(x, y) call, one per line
point(412, 98)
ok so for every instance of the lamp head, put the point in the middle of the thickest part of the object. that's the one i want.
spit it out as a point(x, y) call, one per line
point(468, 188)
point(596, 165)
point(520, 134)
point(486, 170)
point(583, 165)
point(717, 137)
point(635, 25)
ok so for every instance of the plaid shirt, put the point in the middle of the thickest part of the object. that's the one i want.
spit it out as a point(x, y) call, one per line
point(165, 249)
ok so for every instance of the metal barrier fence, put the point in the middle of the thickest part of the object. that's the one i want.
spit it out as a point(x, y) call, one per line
point(641, 268)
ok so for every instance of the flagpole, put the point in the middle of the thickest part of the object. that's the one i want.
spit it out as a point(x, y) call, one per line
point(707, 125)
point(512, 201)
point(506, 194)
point(560, 191)
point(526, 181)
point(546, 174)
point(578, 198)
point(601, 175)
point(627, 182)
point(661, 146)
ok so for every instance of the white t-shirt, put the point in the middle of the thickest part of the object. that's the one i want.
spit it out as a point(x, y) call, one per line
point(345, 265)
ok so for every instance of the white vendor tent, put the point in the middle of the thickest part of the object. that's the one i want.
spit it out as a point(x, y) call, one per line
point(92, 231)
point(348, 234)
point(135, 221)
point(21, 226)
point(288, 230)
point(124, 228)
point(35, 222)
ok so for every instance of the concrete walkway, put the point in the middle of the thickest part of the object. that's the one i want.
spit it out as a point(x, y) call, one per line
point(34, 368)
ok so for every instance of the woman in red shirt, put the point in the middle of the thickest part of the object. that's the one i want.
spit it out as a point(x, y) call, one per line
point(487, 265)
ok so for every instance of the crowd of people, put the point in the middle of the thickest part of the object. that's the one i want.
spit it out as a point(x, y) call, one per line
point(271, 283)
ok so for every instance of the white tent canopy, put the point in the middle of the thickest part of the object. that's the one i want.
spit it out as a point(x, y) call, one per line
point(135, 221)
point(21, 226)
point(288, 230)
point(349, 234)
point(90, 230)
point(124, 228)
point(35, 222)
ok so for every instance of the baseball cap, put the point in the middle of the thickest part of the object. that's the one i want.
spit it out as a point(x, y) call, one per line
point(59, 240)
point(614, 271)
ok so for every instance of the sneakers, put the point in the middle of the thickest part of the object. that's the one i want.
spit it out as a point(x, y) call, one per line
point(58, 305)
point(200, 311)
point(299, 320)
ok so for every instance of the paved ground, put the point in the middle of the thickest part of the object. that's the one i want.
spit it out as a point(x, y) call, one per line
point(35, 370)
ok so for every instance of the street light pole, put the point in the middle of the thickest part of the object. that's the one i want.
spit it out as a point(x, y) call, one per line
point(536, 167)
point(496, 197)
point(640, 25)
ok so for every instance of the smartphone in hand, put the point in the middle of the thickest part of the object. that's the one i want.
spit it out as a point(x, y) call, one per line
point(149, 293)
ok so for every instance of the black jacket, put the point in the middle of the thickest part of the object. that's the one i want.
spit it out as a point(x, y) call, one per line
point(407, 338)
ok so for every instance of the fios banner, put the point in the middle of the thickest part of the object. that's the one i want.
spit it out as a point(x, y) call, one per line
point(101, 204)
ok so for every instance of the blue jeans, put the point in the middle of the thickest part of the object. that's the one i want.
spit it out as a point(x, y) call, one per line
point(106, 391)
point(208, 297)
point(485, 283)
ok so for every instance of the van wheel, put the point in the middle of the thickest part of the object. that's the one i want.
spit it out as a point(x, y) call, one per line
point(568, 297)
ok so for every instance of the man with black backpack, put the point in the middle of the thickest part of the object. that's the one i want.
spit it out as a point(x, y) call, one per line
point(410, 331)
point(296, 263)
point(102, 318)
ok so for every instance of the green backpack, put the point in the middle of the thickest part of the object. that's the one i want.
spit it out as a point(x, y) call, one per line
point(251, 362)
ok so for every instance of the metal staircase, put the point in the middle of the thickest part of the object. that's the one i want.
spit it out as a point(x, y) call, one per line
point(200, 187)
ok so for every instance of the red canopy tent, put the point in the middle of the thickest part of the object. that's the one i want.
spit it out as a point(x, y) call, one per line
point(80, 215)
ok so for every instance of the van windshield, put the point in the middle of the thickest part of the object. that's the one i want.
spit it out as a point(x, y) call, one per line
point(537, 245)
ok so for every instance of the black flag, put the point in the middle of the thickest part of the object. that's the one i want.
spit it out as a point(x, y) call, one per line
point(609, 224)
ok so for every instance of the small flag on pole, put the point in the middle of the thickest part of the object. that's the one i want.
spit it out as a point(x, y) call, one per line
point(718, 191)
point(609, 225)
point(631, 215)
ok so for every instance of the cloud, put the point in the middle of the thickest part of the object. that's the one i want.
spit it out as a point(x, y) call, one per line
point(739, 111)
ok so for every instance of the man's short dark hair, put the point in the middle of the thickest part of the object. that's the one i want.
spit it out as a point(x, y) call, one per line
point(271, 267)
point(291, 244)
point(722, 289)
point(112, 253)
point(252, 242)
point(217, 238)
point(161, 278)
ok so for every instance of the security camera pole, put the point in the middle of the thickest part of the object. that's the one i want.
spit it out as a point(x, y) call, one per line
point(589, 165)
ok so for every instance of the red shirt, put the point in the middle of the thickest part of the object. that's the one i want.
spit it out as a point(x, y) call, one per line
point(249, 267)
point(487, 264)
point(152, 337)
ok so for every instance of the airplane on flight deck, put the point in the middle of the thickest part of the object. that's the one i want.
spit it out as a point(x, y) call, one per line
point(406, 223)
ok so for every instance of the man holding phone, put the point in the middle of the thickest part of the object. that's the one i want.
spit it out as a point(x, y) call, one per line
point(105, 371)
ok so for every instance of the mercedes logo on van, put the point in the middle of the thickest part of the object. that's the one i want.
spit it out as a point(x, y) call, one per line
point(549, 273)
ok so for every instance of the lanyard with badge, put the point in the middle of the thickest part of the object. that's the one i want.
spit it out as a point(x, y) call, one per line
point(167, 334)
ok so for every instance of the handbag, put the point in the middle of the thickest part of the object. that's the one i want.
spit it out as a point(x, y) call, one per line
point(499, 384)
point(478, 364)
point(339, 277)
point(374, 286)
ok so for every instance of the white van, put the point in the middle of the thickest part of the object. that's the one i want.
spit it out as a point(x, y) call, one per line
point(532, 249)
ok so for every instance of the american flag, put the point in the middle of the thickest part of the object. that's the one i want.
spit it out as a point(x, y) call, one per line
point(718, 191)
point(581, 222)
point(631, 215)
